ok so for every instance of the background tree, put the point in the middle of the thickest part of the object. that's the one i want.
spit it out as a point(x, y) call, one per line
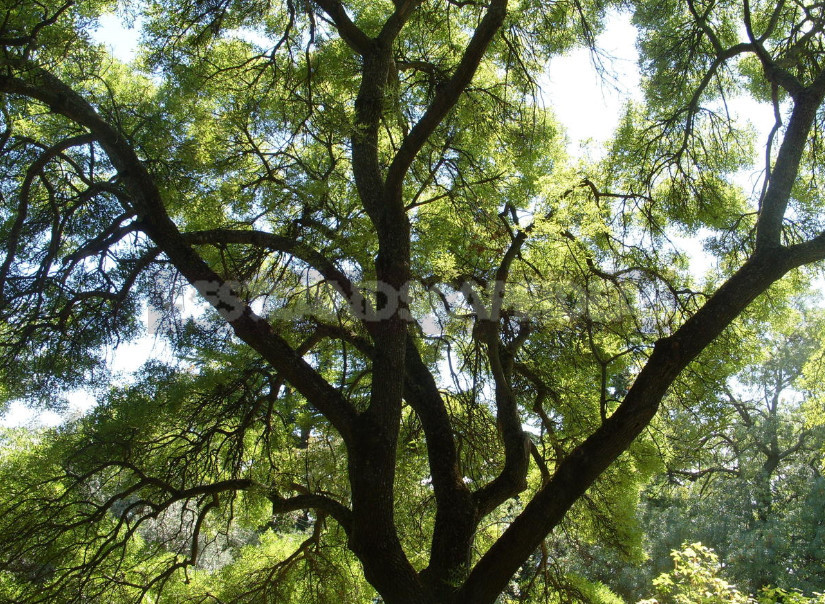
point(743, 471)
point(429, 336)
point(753, 490)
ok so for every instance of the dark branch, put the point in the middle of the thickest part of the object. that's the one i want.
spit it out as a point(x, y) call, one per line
point(349, 32)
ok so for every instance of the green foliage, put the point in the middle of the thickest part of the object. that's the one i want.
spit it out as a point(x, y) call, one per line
point(695, 580)
point(296, 157)
point(776, 595)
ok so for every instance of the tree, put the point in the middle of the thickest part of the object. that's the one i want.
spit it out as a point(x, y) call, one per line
point(429, 333)
point(748, 483)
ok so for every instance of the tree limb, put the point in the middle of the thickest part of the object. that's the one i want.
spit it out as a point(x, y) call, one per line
point(252, 329)
point(349, 32)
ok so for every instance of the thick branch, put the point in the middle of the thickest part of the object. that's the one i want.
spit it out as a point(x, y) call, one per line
point(808, 251)
point(349, 32)
point(313, 501)
point(785, 170)
point(393, 26)
point(456, 516)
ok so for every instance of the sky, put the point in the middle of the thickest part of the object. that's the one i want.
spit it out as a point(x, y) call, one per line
point(588, 106)
point(122, 41)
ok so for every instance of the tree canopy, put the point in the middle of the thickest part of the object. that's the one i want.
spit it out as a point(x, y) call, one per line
point(428, 338)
